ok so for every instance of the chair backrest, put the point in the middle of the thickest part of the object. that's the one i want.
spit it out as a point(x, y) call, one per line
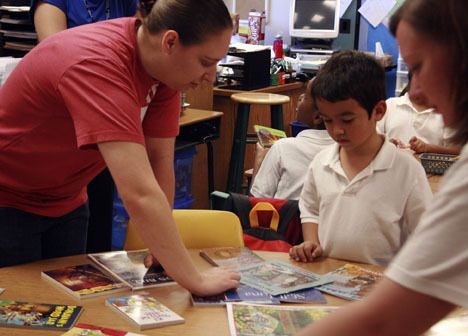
point(198, 229)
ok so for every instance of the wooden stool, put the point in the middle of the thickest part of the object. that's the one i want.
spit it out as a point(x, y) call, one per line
point(244, 100)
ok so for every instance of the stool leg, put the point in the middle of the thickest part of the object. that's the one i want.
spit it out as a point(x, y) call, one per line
point(276, 112)
point(236, 165)
point(209, 147)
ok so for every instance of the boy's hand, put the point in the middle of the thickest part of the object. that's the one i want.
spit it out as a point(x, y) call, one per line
point(399, 143)
point(150, 260)
point(217, 280)
point(306, 252)
point(418, 145)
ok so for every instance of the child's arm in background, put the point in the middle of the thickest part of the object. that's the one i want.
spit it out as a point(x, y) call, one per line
point(419, 146)
point(310, 249)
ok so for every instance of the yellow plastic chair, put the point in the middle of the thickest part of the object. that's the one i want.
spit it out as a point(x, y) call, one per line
point(198, 229)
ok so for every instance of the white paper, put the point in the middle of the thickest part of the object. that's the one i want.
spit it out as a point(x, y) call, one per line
point(375, 11)
point(344, 4)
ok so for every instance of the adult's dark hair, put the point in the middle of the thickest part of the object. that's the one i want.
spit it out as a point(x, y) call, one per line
point(193, 20)
point(444, 22)
point(351, 74)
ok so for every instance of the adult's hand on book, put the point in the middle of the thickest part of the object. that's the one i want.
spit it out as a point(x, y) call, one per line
point(217, 280)
point(151, 260)
point(306, 252)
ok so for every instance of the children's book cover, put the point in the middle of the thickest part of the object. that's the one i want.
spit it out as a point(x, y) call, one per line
point(249, 294)
point(129, 267)
point(453, 325)
point(235, 257)
point(144, 311)
point(351, 282)
point(82, 329)
point(308, 295)
point(38, 315)
point(268, 136)
point(247, 319)
point(83, 281)
point(208, 301)
point(277, 277)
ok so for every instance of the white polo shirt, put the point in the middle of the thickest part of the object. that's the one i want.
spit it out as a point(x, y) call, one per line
point(434, 261)
point(282, 172)
point(403, 121)
point(368, 218)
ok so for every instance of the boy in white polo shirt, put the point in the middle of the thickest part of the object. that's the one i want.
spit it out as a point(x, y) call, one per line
point(362, 196)
point(282, 172)
point(410, 123)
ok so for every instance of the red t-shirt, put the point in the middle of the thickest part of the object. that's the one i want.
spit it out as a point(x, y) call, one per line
point(80, 87)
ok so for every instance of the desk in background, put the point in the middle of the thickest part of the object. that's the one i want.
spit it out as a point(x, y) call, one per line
point(258, 115)
point(24, 282)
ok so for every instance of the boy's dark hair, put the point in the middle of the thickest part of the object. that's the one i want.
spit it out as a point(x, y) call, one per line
point(193, 20)
point(351, 74)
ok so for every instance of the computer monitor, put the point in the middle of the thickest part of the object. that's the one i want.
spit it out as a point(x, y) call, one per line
point(314, 19)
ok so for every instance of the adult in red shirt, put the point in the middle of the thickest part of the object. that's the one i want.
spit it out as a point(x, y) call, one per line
point(97, 95)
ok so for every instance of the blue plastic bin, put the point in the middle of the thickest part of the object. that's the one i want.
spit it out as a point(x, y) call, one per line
point(297, 127)
point(119, 224)
point(183, 159)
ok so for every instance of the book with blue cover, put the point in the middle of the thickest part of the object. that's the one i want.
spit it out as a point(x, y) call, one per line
point(277, 277)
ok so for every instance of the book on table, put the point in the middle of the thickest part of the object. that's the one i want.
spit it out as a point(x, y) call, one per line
point(351, 282)
point(23, 314)
point(83, 281)
point(267, 136)
point(235, 257)
point(254, 319)
point(82, 329)
point(144, 311)
point(209, 301)
point(278, 277)
point(129, 267)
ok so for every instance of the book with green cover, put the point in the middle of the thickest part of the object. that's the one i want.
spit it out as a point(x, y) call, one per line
point(247, 319)
point(267, 136)
point(22, 314)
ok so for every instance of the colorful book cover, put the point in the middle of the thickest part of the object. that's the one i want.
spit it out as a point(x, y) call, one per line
point(308, 295)
point(38, 315)
point(268, 136)
point(351, 282)
point(247, 319)
point(277, 277)
point(144, 311)
point(452, 325)
point(128, 267)
point(249, 294)
point(235, 257)
point(208, 301)
point(82, 329)
point(83, 281)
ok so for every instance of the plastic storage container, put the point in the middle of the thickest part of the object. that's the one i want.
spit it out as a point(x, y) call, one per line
point(183, 159)
point(297, 127)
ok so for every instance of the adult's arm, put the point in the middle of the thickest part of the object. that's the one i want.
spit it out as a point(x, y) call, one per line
point(151, 213)
point(389, 310)
point(48, 20)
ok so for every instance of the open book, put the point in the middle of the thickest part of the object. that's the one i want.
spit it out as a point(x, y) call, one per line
point(267, 136)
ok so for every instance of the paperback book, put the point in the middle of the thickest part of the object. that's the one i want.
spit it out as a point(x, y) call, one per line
point(82, 329)
point(83, 281)
point(235, 257)
point(248, 294)
point(128, 267)
point(209, 301)
point(144, 311)
point(276, 277)
point(38, 315)
point(268, 136)
point(351, 282)
point(247, 319)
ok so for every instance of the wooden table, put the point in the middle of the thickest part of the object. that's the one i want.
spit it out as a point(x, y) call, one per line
point(24, 283)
